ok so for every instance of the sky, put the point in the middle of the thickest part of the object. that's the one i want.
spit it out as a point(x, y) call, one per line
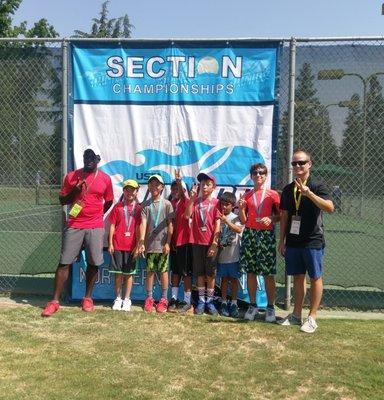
point(216, 18)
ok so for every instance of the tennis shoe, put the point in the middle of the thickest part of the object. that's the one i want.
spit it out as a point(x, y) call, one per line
point(199, 310)
point(186, 308)
point(162, 305)
point(224, 309)
point(172, 308)
point(51, 307)
point(309, 325)
point(212, 309)
point(251, 313)
point(126, 305)
point(148, 304)
point(87, 304)
point(233, 310)
point(270, 315)
point(289, 320)
point(117, 304)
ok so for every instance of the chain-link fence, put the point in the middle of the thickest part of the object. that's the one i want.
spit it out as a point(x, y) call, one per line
point(339, 109)
point(30, 158)
point(338, 112)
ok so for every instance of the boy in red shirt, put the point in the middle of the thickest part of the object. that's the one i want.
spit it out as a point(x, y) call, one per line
point(181, 256)
point(258, 211)
point(125, 220)
point(203, 210)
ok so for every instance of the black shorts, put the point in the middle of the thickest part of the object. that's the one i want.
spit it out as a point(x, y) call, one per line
point(181, 260)
point(122, 262)
point(202, 264)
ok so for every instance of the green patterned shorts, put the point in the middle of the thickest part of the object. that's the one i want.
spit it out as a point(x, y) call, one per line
point(258, 252)
point(157, 262)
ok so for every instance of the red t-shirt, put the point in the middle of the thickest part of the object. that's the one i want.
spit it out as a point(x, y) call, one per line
point(121, 241)
point(92, 197)
point(182, 233)
point(270, 206)
point(204, 210)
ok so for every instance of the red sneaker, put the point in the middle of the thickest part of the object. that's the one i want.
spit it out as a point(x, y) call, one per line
point(51, 307)
point(148, 304)
point(87, 304)
point(162, 306)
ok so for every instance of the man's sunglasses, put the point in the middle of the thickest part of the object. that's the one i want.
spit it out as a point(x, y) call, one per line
point(260, 173)
point(301, 163)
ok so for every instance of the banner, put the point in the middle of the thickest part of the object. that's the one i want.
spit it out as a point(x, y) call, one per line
point(105, 283)
point(197, 107)
point(154, 106)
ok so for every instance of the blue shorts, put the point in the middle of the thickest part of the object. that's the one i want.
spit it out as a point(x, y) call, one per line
point(228, 270)
point(300, 260)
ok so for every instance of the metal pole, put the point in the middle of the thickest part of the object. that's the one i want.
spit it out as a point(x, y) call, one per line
point(19, 148)
point(365, 81)
point(291, 125)
point(64, 139)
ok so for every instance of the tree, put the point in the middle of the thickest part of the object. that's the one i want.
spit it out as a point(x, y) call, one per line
point(351, 155)
point(312, 127)
point(40, 29)
point(374, 157)
point(29, 91)
point(107, 28)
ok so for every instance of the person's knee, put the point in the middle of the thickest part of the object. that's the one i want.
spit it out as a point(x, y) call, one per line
point(316, 281)
point(63, 267)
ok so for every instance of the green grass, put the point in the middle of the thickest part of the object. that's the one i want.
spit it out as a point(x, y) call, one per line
point(108, 355)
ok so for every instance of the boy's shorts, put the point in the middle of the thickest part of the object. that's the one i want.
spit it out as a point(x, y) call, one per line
point(73, 240)
point(202, 264)
point(228, 270)
point(122, 262)
point(181, 260)
point(299, 260)
point(157, 262)
point(258, 252)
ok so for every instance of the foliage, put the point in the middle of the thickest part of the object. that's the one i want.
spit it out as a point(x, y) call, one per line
point(312, 128)
point(29, 92)
point(103, 27)
point(40, 29)
point(374, 157)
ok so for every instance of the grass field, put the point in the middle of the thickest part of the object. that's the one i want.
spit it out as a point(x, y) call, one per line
point(109, 355)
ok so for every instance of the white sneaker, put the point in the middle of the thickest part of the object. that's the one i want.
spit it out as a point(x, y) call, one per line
point(290, 320)
point(117, 304)
point(127, 303)
point(251, 313)
point(270, 315)
point(309, 325)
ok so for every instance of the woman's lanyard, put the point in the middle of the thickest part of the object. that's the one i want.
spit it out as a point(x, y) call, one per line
point(204, 217)
point(157, 214)
point(128, 218)
point(259, 207)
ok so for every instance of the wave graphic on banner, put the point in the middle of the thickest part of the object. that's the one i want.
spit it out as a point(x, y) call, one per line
point(229, 164)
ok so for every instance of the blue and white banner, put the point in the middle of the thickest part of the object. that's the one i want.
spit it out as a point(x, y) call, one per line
point(197, 106)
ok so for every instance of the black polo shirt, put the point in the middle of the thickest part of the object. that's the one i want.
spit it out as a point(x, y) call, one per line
point(311, 226)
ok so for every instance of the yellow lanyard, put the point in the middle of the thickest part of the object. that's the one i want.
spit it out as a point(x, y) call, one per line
point(297, 199)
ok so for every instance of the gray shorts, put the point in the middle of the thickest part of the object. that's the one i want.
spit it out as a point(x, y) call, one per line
point(72, 241)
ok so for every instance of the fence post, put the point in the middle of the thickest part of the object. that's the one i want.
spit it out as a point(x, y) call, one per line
point(291, 124)
point(64, 140)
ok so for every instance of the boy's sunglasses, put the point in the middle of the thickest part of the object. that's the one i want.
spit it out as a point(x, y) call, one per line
point(260, 173)
point(301, 163)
